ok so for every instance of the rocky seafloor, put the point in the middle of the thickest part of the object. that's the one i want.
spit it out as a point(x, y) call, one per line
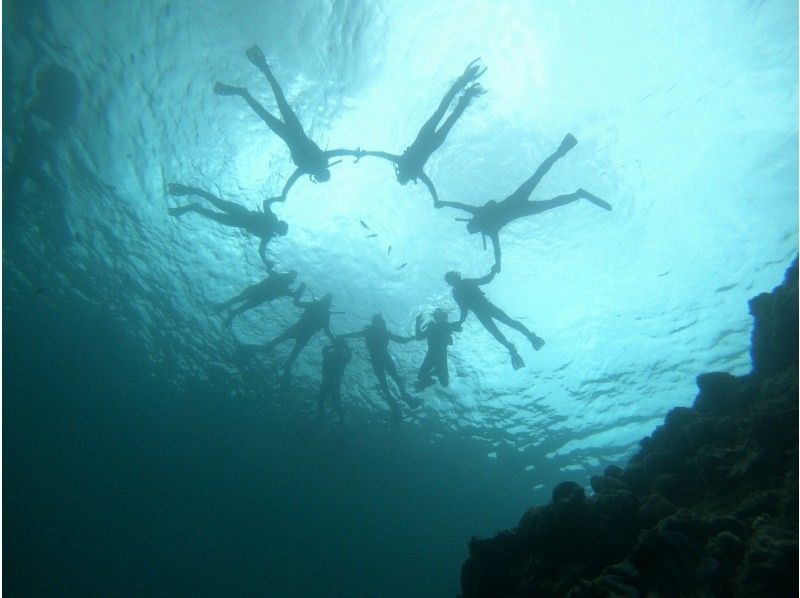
point(707, 507)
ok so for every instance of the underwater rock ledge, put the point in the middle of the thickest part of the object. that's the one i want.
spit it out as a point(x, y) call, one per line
point(707, 507)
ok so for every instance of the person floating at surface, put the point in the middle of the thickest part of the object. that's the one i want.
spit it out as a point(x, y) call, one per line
point(377, 337)
point(276, 284)
point(469, 297)
point(335, 357)
point(490, 218)
point(439, 335)
point(409, 166)
point(307, 155)
point(264, 225)
point(316, 316)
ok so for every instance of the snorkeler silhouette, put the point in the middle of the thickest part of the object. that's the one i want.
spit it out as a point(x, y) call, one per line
point(264, 225)
point(409, 166)
point(490, 218)
point(307, 155)
point(439, 335)
point(276, 284)
point(335, 357)
point(316, 316)
point(377, 337)
point(469, 297)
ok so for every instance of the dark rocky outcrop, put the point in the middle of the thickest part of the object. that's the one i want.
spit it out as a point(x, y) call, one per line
point(707, 507)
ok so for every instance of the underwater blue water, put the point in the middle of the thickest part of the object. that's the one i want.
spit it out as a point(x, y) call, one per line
point(139, 436)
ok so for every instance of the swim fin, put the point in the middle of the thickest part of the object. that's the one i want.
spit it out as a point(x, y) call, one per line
point(536, 341)
point(516, 360)
point(595, 200)
point(256, 56)
point(567, 143)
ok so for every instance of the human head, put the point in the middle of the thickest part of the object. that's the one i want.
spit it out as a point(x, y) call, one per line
point(282, 227)
point(452, 278)
point(321, 174)
point(401, 174)
point(377, 320)
point(439, 315)
point(472, 226)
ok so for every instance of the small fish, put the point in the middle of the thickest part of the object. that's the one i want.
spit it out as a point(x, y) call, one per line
point(664, 273)
point(364, 224)
point(371, 236)
point(389, 251)
point(401, 266)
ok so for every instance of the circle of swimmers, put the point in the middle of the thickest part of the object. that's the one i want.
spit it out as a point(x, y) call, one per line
point(488, 220)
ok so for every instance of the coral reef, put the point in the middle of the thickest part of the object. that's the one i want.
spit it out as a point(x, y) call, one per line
point(707, 507)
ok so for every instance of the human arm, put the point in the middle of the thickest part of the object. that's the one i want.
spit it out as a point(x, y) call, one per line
point(459, 206)
point(487, 278)
point(401, 339)
point(418, 333)
point(291, 181)
point(262, 251)
point(431, 188)
point(355, 334)
point(299, 293)
point(385, 155)
point(327, 329)
point(267, 203)
point(343, 152)
point(496, 246)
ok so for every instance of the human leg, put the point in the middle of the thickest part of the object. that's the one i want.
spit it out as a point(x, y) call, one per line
point(429, 128)
point(503, 317)
point(290, 332)
point(226, 219)
point(424, 379)
point(336, 402)
point(411, 401)
point(323, 393)
point(442, 370)
point(249, 304)
point(488, 323)
point(438, 137)
point(378, 368)
point(299, 344)
point(275, 124)
point(526, 188)
point(229, 207)
point(256, 56)
point(531, 208)
point(392, 369)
